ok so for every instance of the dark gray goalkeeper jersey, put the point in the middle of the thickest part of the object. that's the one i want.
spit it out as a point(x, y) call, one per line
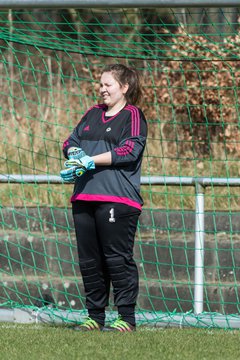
point(124, 134)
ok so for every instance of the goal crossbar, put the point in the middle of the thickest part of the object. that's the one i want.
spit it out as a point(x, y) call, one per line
point(11, 4)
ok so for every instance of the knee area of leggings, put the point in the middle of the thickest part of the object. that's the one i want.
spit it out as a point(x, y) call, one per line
point(90, 275)
point(115, 262)
point(117, 268)
point(88, 266)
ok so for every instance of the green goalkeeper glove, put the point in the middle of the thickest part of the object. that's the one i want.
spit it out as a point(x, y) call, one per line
point(76, 168)
point(70, 174)
point(85, 161)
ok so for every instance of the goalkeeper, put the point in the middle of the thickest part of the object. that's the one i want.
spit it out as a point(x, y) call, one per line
point(104, 155)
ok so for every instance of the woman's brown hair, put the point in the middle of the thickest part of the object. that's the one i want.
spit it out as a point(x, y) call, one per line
point(124, 75)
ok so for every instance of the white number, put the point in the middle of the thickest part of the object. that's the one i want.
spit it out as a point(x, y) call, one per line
point(112, 218)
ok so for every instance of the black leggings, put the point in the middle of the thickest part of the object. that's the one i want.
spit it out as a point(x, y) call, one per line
point(105, 238)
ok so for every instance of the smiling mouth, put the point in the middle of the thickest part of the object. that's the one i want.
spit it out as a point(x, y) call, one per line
point(105, 97)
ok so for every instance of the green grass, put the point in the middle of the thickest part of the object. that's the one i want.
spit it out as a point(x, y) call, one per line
point(45, 342)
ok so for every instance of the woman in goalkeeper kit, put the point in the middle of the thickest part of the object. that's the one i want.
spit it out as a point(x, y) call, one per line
point(104, 155)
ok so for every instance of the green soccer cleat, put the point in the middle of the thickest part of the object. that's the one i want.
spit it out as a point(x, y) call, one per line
point(88, 325)
point(120, 326)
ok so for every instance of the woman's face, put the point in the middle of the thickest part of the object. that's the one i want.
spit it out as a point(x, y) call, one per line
point(111, 91)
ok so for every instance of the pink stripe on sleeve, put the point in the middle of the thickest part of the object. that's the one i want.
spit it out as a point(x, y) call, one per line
point(125, 149)
point(135, 119)
point(66, 143)
point(128, 147)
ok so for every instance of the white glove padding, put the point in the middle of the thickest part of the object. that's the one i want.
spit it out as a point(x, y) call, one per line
point(75, 153)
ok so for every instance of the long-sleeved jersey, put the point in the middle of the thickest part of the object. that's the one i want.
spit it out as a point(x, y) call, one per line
point(124, 135)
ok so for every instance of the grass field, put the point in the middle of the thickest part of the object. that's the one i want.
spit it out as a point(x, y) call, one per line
point(44, 342)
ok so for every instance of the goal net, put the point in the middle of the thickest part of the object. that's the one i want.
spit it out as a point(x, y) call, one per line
point(50, 62)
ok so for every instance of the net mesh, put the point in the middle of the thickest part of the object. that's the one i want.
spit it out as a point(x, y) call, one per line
point(188, 59)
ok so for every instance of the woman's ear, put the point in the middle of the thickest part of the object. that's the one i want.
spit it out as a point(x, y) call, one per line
point(125, 88)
